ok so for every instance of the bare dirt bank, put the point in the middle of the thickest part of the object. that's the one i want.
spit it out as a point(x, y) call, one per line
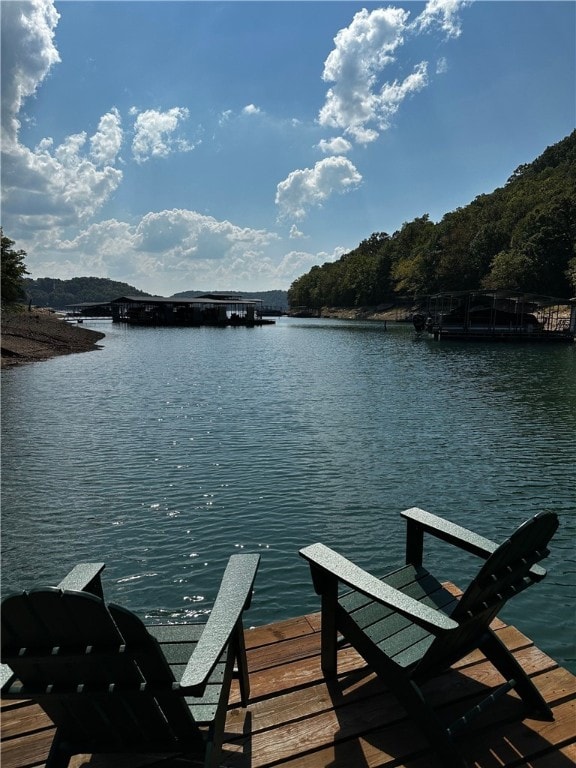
point(27, 337)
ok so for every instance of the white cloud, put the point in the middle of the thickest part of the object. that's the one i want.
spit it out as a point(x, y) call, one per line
point(28, 54)
point(52, 186)
point(225, 117)
point(312, 186)
point(362, 50)
point(393, 94)
point(442, 14)
point(106, 142)
point(296, 263)
point(295, 233)
point(251, 109)
point(161, 250)
point(360, 102)
point(156, 134)
point(48, 186)
point(173, 250)
point(442, 66)
point(187, 234)
point(336, 146)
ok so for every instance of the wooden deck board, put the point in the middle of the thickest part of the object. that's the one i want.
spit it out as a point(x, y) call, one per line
point(298, 720)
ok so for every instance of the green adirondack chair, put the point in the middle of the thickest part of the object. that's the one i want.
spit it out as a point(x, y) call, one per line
point(111, 684)
point(409, 628)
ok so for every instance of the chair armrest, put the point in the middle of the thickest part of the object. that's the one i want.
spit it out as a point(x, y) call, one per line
point(420, 522)
point(233, 598)
point(84, 577)
point(6, 675)
point(335, 566)
point(423, 521)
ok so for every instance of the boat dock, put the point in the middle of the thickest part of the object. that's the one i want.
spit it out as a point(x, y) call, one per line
point(486, 315)
point(297, 720)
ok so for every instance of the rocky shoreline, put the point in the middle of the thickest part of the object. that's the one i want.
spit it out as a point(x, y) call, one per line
point(381, 313)
point(32, 336)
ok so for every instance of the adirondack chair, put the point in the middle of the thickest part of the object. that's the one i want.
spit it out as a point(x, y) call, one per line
point(409, 628)
point(111, 684)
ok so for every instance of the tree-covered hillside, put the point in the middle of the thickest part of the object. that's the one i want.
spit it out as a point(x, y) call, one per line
point(521, 236)
point(59, 294)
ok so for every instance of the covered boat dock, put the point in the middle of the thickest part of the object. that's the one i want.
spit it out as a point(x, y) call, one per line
point(208, 309)
point(497, 315)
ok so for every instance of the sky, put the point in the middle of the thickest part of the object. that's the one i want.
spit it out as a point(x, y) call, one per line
point(234, 145)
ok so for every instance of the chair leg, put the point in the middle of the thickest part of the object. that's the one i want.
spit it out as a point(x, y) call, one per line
point(497, 653)
point(410, 696)
point(242, 664)
point(58, 757)
point(328, 635)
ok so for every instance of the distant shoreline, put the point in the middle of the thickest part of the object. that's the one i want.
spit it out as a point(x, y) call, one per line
point(32, 336)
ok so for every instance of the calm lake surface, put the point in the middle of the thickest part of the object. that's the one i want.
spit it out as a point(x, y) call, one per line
point(168, 450)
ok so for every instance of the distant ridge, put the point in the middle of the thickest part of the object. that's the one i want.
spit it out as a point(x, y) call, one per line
point(277, 299)
point(60, 294)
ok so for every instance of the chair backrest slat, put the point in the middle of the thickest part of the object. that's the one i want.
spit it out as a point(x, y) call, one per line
point(506, 573)
point(94, 668)
point(155, 669)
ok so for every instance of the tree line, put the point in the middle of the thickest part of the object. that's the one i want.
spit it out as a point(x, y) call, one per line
point(61, 294)
point(520, 237)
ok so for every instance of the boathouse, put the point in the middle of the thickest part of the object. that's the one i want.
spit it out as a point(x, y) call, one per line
point(498, 315)
point(209, 309)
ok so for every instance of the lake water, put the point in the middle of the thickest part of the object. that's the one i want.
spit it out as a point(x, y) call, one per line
point(170, 449)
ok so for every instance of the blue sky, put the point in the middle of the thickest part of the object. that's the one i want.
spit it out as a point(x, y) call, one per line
point(233, 145)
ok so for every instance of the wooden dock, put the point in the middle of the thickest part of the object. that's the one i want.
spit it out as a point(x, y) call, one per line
point(297, 720)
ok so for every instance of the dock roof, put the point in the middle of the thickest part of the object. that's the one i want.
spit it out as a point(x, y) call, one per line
point(209, 298)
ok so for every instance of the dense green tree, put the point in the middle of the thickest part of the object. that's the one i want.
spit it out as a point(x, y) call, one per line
point(541, 250)
point(13, 271)
point(571, 274)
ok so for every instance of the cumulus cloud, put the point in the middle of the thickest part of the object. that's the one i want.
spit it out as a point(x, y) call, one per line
point(50, 185)
point(295, 233)
point(28, 54)
point(360, 101)
point(106, 142)
point(175, 250)
point(156, 134)
point(188, 234)
point(251, 109)
point(336, 146)
point(164, 249)
point(362, 50)
point(443, 14)
point(312, 186)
